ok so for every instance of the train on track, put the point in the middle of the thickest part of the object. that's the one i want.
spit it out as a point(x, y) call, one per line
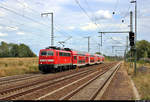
point(54, 58)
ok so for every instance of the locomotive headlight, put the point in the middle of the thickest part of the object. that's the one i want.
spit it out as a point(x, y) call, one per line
point(42, 60)
point(50, 60)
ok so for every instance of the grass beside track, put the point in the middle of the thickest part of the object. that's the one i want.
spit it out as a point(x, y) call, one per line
point(16, 66)
point(141, 80)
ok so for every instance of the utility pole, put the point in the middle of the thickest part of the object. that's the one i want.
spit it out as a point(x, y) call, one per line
point(131, 25)
point(99, 47)
point(126, 48)
point(52, 27)
point(112, 32)
point(135, 53)
point(101, 38)
point(88, 43)
point(101, 43)
point(131, 30)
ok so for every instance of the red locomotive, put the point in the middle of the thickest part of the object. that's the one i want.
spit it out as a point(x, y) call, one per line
point(55, 58)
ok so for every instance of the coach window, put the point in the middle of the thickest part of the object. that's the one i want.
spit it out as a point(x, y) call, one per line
point(75, 57)
point(63, 54)
point(50, 53)
point(60, 53)
point(68, 54)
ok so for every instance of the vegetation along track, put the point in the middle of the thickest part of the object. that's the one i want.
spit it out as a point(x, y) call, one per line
point(14, 93)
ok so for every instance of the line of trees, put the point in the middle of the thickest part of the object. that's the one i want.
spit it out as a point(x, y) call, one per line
point(15, 50)
point(143, 50)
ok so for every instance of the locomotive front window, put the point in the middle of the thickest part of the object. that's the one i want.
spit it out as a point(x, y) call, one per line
point(43, 53)
point(47, 53)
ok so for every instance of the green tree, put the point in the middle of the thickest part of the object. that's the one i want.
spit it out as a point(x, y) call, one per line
point(142, 47)
point(14, 50)
point(24, 51)
point(4, 50)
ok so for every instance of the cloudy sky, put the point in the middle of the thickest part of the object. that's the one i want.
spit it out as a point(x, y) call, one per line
point(74, 20)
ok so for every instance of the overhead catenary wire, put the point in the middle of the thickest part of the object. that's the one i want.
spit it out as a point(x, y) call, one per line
point(126, 13)
point(55, 27)
point(29, 18)
point(84, 11)
point(92, 13)
point(116, 5)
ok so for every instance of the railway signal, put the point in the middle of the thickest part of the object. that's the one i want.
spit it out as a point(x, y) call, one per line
point(131, 38)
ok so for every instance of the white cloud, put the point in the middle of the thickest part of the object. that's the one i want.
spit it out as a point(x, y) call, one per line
point(2, 13)
point(89, 26)
point(103, 14)
point(12, 28)
point(22, 4)
point(71, 28)
point(1, 27)
point(20, 33)
point(3, 34)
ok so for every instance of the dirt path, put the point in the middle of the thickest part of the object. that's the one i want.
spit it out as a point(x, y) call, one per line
point(120, 88)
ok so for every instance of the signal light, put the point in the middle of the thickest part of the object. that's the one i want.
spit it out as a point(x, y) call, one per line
point(131, 38)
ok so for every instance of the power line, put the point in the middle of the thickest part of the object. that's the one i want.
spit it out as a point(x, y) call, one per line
point(10, 10)
point(126, 13)
point(116, 5)
point(84, 11)
point(92, 14)
point(77, 2)
point(56, 27)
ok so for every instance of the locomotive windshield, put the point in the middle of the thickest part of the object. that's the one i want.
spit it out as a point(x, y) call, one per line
point(47, 53)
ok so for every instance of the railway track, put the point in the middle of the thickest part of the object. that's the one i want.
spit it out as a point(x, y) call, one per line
point(5, 81)
point(8, 78)
point(38, 89)
point(93, 86)
point(19, 78)
point(10, 93)
point(81, 95)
